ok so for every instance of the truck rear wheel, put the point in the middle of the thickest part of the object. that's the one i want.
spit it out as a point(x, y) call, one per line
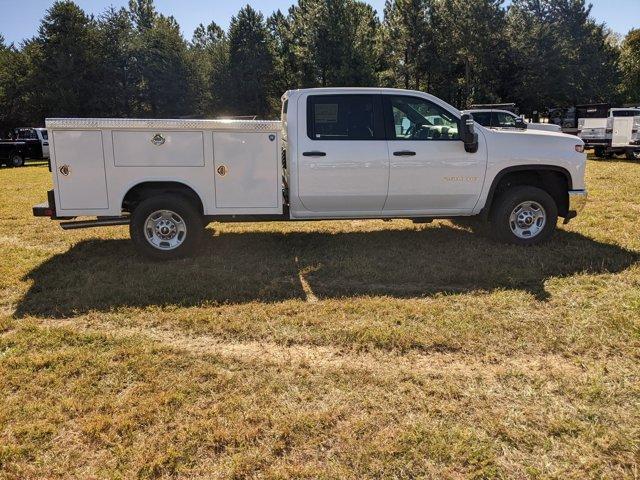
point(166, 227)
point(599, 152)
point(16, 160)
point(524, 215)
point(633, 154)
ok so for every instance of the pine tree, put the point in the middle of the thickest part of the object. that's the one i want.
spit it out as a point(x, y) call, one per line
point(250, 64)
point(630, 67)
point(164, 73)
point(209, 54)
point(63, 80)
point(335, 42)
point(408, 37)
point(116, 63)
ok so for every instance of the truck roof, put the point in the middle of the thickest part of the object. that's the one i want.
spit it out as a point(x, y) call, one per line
point(489, 110)
point(369, 90)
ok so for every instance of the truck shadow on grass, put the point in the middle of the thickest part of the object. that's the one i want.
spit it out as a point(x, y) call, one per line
point(270, 267)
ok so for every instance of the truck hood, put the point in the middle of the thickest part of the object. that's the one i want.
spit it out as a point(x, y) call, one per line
point(536, 147)
point(534, 135)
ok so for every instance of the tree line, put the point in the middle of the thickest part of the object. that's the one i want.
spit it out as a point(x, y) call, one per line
point(135, 62)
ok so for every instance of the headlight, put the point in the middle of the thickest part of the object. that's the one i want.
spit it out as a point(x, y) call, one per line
point(580, 148)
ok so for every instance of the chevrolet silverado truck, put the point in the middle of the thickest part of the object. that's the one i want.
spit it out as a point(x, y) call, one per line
point(336, 153)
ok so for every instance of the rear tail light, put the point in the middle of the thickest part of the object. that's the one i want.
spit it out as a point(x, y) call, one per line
point(580, 148)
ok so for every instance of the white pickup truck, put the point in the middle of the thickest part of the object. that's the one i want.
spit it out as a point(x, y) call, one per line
point(492, 118)
point(337, 153)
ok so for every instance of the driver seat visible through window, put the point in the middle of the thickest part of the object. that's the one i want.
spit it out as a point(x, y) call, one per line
point(418, 119)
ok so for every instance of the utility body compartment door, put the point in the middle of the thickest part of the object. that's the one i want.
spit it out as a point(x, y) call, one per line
point(158, 148)
point(80, 170)
point(247, 171)
point(622, 131)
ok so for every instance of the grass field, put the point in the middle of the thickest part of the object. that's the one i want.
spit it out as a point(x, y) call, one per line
point(342, 350)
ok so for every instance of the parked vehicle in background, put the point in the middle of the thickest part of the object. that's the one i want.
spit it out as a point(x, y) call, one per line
point(506, 119)
point(592, 126)
point(623, 125)
point(12, 153)
point(337, 153)
point(615, 134)
point(567, 118)
point(37, 140)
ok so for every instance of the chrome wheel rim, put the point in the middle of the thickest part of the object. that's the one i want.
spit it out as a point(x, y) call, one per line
point(16, 160)
point(165, 230)
point(528, 219)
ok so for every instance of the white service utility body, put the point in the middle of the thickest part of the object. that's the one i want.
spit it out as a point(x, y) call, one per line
point(619, 133)
point(337, 153)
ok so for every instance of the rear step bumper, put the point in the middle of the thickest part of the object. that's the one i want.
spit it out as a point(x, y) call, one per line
point(48, 208)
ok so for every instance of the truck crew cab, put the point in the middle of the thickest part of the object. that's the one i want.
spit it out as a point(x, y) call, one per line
point(336, 153)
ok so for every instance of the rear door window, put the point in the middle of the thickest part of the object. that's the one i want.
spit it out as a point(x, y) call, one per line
point(345, 117)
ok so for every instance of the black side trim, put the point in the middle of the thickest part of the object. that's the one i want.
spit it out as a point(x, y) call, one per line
point(520, 168)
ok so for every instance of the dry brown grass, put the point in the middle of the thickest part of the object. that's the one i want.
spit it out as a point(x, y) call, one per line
point(354, 350)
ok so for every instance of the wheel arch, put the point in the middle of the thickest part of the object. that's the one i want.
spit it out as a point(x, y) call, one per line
point(554, 179)
point(142, 190)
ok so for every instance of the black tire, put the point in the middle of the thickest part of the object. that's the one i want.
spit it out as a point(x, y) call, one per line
point(190, 218)
point(16, 160)
point(633, 154)
point(505, 205)
point(599, 152)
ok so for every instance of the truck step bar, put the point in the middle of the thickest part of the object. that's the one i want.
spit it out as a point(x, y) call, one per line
point(99, 222)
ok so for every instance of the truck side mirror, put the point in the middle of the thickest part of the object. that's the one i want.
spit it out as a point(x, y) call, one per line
point(521, 124)
point(468, 134)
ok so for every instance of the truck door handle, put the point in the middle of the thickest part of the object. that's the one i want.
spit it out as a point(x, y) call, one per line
point(404, 153)
point(314, 154)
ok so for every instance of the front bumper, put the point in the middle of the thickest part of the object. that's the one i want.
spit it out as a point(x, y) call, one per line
point(577, 201)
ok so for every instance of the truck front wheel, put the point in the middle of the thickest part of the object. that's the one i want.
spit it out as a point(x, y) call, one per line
point(524, 215)
point(166, 227)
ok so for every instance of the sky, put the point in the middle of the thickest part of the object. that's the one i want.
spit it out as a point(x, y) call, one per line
point(19, 19)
